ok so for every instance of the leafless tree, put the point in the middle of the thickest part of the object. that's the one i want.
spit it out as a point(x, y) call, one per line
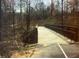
point(0, 19)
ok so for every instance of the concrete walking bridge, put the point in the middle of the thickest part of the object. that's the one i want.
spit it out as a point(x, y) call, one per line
point(54, 45)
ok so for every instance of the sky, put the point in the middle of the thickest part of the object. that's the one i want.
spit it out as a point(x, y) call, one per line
point(33, 2)
point(46, 2)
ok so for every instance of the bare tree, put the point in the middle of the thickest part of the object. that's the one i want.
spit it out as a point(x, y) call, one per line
point(0, 19)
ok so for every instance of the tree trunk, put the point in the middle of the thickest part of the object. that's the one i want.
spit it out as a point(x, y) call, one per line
point(28, 16)
point(0, 19)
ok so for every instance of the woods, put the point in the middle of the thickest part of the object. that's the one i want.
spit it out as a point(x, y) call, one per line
point(19, 18)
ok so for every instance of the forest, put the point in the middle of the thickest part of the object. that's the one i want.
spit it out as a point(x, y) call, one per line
point(19, 17)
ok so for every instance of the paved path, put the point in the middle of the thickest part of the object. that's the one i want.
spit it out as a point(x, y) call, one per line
point(53, 45)
point(47, 37)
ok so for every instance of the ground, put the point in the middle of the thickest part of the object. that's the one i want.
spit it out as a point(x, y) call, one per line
point(50, 45)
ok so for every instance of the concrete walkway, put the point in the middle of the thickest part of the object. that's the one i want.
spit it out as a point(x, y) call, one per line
point(47, 37)
point(53, 45)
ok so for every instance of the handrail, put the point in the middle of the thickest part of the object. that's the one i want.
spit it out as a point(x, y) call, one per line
point(65, 30)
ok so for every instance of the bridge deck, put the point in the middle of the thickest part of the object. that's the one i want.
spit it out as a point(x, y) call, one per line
point(54, 45)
